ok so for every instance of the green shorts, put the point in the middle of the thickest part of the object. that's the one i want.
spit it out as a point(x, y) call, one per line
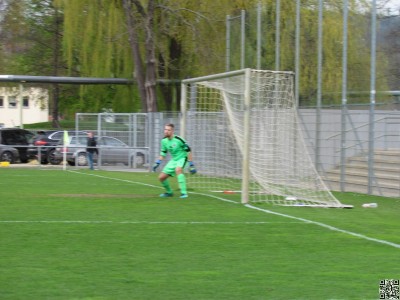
point(170, 167)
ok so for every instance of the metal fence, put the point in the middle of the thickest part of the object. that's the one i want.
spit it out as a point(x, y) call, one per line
point(141, 132)
point(348, 147)
point(353, 150)
point(356, 150)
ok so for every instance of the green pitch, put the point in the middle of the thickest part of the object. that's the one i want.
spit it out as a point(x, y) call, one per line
point(107, 235)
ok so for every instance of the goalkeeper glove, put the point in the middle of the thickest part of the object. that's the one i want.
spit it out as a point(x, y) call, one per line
point(192, 168)
point(156, 164)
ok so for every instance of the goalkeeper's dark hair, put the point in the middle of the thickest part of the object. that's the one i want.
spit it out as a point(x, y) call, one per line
point(170, 125)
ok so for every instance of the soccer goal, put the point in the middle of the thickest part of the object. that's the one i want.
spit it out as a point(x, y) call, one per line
point(246, 138)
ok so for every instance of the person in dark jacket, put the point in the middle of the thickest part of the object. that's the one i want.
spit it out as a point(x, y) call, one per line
point(91, 149)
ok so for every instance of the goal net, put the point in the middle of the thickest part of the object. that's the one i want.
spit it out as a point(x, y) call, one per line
point(246, 138)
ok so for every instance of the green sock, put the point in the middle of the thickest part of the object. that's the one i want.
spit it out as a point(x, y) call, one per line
point(182, 183)
point(166, 185)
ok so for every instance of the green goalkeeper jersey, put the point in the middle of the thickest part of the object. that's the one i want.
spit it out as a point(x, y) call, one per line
point(177, 147)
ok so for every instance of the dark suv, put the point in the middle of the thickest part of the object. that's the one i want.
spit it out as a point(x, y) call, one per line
point(44, 144)
point(17, 138)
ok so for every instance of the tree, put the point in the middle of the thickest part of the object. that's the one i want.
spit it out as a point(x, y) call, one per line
point(145, 65)
point(163, 39)
point(32, 35)
point(95, 44)
point(175, 39)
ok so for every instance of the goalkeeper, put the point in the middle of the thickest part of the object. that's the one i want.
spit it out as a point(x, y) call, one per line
point(180, 155)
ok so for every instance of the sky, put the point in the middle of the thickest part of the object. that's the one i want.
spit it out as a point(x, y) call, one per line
point(393, 5)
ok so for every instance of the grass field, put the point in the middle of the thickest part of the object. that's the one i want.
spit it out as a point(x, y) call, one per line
point(107, 235)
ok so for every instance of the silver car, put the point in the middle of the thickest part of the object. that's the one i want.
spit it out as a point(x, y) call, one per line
point(111, 151)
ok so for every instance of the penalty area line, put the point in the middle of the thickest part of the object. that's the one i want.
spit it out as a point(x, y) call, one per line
point(326, 226)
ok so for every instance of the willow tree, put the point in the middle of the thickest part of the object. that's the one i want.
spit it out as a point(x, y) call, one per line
point(143, 40)
point(95, 45)
point(176, 39)
point(115, 39)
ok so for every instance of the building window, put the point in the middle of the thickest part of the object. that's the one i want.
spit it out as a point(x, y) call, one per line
point(12, 101)
point(1, 101)
point(25, 102)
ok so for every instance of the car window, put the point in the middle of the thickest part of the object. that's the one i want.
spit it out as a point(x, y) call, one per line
point(75, 140)
point(82, 140)
point(30, 136)
point(58, 135)
point(17, 137)
point(111, 142)
point(10, 138)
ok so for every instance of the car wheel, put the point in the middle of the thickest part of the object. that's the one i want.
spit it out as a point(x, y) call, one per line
point(139, 160)
point(52, 158)
point(81, 159)
point(7, 156)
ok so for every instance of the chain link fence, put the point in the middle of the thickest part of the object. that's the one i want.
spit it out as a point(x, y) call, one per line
point(354, 150)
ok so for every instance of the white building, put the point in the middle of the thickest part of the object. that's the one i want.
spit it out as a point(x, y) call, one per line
point(30, 106)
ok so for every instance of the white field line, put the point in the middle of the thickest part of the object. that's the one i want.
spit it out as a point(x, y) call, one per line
point(282, 215)
point(325, 226)
point(361, 236)
point(146, 222)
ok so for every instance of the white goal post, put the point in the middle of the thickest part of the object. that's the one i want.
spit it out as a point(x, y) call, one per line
point(246, 137)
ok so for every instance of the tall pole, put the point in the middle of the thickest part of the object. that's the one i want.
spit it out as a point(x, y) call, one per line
point(297, 55)
point(228, 42)
point(243, 39)
point(344, 98)
point(259, 36)
point(372, 99)
point(319, 86)
point(278, 35)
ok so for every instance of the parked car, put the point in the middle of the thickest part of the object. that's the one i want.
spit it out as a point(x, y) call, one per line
point(44, 145)
point(19, 139)
point(9, 154)
point(111, 151)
